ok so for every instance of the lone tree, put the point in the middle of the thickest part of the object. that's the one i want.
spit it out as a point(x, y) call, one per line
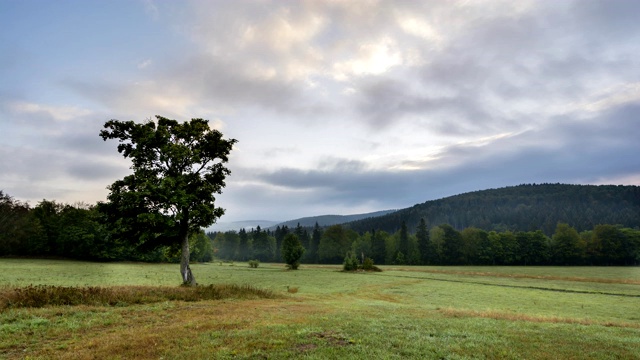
point(177, 170)
point(292, 251)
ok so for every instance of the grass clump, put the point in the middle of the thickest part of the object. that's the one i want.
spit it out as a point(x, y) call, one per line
point(351, 263)
point(47, 295)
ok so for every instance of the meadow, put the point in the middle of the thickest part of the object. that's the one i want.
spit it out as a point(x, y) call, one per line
point(319, 312)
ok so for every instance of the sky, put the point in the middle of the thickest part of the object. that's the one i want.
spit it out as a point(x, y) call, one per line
point(339, 107)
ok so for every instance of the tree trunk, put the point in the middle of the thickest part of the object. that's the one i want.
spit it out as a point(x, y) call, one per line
point(187, 276)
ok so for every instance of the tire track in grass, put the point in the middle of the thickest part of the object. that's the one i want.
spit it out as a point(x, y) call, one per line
point(515, 286)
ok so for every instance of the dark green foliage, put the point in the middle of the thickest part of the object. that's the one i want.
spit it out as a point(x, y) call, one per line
point(508, 254)
point(201, 247)
point(452, 245)
point(178, 168)
point(279, 235)
point(47, 214)
point(567, 247)
point(20, 230)
point(263, 245)
point(303, 236)
point(403, 244)
point(361, 246)
point(226, 245)
point(611, 245)
point(292, 251)
point(378, 246)
point(367, 264)
point(78, 231)
point(473, 239)
point(335, 242)
point(521, 208)
point(244, 245)
point(424, 244)
point(350, 262)
point(533, 248)
point(314, 242)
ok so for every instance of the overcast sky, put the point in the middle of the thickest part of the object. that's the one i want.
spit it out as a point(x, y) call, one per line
point(339, 107)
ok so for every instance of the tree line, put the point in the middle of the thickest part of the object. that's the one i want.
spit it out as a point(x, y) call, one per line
point(81, 231)
point(439, 245)
point(78, 231)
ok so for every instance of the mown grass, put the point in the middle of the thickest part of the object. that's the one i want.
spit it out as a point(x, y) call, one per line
point(412, 312)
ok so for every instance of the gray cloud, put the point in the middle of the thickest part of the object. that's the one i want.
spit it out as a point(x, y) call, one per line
point(336, 104)
point(572, 151)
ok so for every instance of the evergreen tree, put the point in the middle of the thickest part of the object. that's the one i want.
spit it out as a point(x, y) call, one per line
point(302, 235)
point(244, 245)
point(452, 245)
point(262, 248)
point(403, 241)
point(424, 245)
point(292, 251)
point(314, 244)
point(279, 235)
point(378, 246)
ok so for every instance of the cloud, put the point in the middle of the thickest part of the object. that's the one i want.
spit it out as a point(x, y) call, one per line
point(570, 151)
point(151, 8)
point(58, 113)
point(353, 106)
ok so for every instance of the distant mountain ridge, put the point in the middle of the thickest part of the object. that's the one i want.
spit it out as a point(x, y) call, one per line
point(328, 220)
point(244, 224)
point(309, 221)
point(526, 207)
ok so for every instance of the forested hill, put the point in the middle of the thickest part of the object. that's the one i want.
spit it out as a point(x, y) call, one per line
point(521, 208)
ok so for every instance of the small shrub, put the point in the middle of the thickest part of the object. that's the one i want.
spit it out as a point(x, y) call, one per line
point(254, 263)
point(367, 264)
point(350, 262)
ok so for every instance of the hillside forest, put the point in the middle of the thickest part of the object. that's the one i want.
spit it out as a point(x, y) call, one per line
point(548, 224)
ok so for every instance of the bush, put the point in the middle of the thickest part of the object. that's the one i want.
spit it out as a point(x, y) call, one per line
point(254, 263)
point(350, 262)
point(367, 264)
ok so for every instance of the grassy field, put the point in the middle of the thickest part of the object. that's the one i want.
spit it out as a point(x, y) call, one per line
point(322, 313)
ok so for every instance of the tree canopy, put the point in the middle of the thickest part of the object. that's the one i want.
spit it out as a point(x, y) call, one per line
point(178, 168)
